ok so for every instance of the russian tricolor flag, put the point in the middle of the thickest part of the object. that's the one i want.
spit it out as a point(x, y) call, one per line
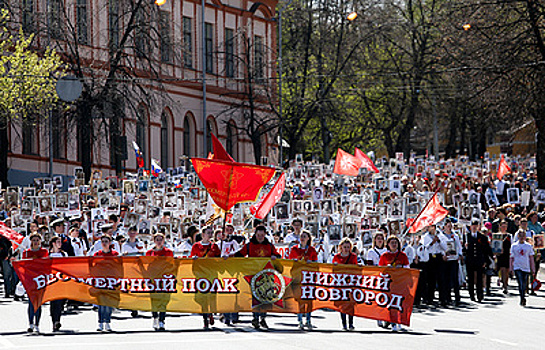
point(155, 168)
point(139, 157)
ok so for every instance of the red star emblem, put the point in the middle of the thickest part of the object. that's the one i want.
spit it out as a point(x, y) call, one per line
point(268, 286)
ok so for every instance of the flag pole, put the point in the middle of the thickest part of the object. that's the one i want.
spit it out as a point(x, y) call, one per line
point(421, 211)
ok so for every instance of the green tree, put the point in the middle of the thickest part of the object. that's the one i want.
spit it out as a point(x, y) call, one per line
point(27, 84)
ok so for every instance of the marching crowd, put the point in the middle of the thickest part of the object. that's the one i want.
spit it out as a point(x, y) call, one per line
point(500, 236)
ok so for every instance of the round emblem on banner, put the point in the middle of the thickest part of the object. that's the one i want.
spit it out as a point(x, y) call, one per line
point(268, 286)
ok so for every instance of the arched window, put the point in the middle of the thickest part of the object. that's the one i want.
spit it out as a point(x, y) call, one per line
point(187, 151)
point(141, 130)
point(164, 141)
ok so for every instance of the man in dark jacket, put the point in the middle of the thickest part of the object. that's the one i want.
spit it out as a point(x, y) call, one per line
point(475, 260)
point(10, 278)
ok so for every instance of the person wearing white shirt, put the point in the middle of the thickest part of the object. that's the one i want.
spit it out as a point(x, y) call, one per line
point(522, 262)
point(435, 243)
point(421, 262)
point(133, 246)
point(77, 242)
point(293, 237)
point(452, 257)
point(373, 255)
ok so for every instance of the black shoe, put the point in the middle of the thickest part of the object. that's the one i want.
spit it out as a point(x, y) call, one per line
point(255, 323)
point(134, 313)
point(263, 324)
point(57, 327)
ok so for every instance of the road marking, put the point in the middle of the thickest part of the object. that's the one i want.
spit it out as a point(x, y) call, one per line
point(504, 342)
point(6, 344)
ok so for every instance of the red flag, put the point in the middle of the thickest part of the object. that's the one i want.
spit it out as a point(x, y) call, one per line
point(346, 164)
point(220, 152)
point(229, 183)
point(260, 210)
point(366, 162)
point(15, 237)
point(432, 213)
point(503, 168)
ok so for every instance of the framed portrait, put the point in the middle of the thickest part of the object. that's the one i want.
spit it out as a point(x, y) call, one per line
point(154, 213)
point(334, 232)
point(29, 192)
point(57, 180)
point(170, 201)
point(45, 204)
point(317, 194)
point(281, 211)
point(61, 201)
point(129, 186)
point(539, 241)
point(326, 207)
point(144, 227)
point(513, 195)
point(27, 207)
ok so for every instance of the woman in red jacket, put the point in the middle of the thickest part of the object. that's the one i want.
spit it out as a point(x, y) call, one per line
point(206, 249)
point(35, 252)
point(345, 256)
point(159, 250)
point(306, 252)
point(394, 257)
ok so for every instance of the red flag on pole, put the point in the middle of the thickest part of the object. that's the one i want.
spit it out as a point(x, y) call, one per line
point(229, 183)
point(346, 164)
point(15, 237)
point(366, 162)
point(261, 209)
point(503, 168)
point(220, 152)
point(432, 213)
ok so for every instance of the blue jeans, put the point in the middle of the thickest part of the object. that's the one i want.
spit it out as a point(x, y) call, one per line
point(161, 315)
point(300, 317)
point(105, 314)
point(230, 317)
point(34, 316)
point(10, 278)
point(522, 279)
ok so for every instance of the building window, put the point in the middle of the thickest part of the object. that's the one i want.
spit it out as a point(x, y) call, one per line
point(187, 138)
point(188, 43)
point(165, 145)
point(209, 47)
point(141, 128)
point(30, 137)
point(113, 19)
point(166, 46)
point(81, 22)
point(141, 34)
point(27, 16)
point(59, 135)
point(229, 142)
point(258, 57)
point(229, 53)
point(54, 19)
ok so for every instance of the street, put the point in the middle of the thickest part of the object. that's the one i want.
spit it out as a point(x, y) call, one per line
point(499, 323)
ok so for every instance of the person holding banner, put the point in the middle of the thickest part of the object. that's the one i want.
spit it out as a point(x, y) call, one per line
point(206, 249)
point(259, 247)
point(373, 257)
point(159, 250)
point(306, 252)
point(56, 306)
point(394, 257)
point(345, 256)
point(35, 252)
point(105, 312)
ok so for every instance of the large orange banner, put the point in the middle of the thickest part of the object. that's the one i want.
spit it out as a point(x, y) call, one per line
point(222, 285)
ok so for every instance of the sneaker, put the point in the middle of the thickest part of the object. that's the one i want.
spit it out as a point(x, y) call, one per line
point(396, 328)
point(36, 329)
point(30, 328)
point(263, 324)
point(100, 327)
point(156, 323)
point(309, 325)
point(107, 327)
point(351, 328)
point(161, 326)
point(206, 327)
point(255, 323)
point(301, 325)
point(345, 329)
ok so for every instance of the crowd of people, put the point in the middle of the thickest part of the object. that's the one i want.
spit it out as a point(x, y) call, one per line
point(494, 228)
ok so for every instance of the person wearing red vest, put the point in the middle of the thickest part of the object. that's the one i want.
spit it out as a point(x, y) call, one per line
point(206, 249)
point(306, 252)
point(159, 250)
point(259, 247)
point(345, 256)
point(35, 252)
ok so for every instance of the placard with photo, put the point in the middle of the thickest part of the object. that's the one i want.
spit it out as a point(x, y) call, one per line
point(497, 243)
point(27, 208)
point(129, 186)
point(170, 201)
point(144, 227)
point(396, 208)
point(513, 195)
point(29, 192)
point(539, 241)
point(334, 232)
point(11, 200)
point(61, 201)
point(326, 207)
point(394, 227)
point(154, 213)
point(491, 198)
point(98, 214)
point(317, 194)
point(281, 212)
point(73, 202)
point(45, 204)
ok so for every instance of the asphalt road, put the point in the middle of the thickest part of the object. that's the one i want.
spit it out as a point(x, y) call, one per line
point(498, 323)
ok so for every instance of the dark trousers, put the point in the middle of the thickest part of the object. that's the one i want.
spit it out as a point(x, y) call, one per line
point(422, 289)
point(522, 280)
point(161, 315)
point(34, 316)
point(350, 320)
point(55, 308)
point(452, 280)
point(10, 278)
point(475, 281)
point(436, 272)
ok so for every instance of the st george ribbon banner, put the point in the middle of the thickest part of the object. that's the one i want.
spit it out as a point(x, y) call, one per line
point(215, 285)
